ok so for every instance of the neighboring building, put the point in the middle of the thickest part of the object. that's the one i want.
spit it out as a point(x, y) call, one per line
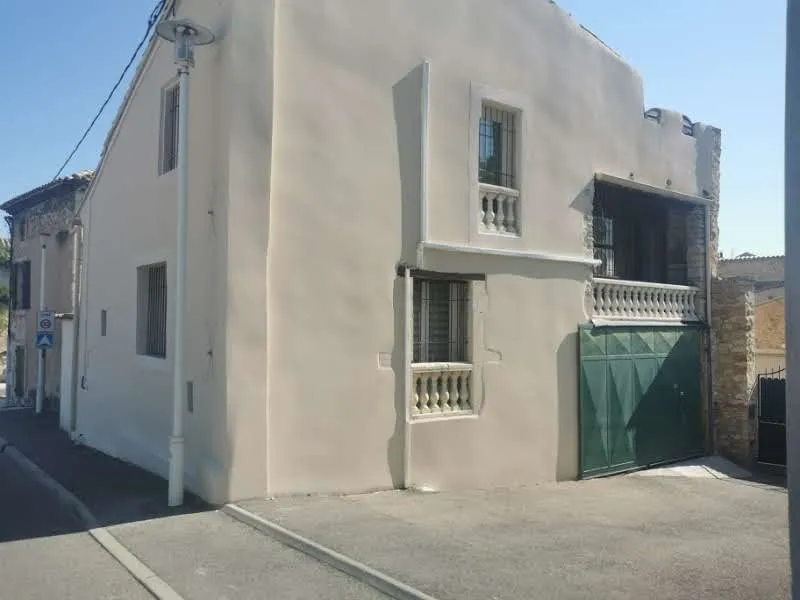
point(327, 164)
point(42, 215)
point(766, 274)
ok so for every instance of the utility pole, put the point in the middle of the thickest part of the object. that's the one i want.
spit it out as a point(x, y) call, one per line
point(42, 306)
point(792, 226)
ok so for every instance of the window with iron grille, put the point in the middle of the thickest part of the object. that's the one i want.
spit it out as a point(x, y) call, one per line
point(151, 318)
point(441, 325)
point(497, 146)
point(169, 128)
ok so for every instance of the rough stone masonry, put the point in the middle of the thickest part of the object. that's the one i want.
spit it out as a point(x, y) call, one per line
point(734, 358)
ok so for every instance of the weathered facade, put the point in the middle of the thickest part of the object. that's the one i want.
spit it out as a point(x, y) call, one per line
point(393, 240)
point(42, 216)
point(732, 320)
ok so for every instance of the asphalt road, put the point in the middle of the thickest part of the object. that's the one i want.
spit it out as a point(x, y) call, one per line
point(44, 552)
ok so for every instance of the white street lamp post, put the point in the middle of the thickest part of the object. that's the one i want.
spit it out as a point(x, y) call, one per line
point(42, 306)
point(185, 35)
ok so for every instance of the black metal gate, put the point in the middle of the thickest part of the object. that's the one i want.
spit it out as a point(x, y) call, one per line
point(772, 417)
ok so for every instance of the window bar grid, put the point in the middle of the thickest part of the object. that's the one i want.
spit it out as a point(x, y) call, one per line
point(497, 146)
point(156, 330)
point(441, 327)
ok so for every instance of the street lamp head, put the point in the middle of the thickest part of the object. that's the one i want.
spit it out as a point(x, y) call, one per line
point(185, 35)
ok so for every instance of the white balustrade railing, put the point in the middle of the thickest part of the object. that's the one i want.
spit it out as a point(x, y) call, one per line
point(641, 301)
point(441, 388)
point(499, 209)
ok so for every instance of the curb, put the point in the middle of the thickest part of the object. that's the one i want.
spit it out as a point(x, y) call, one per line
point(380, 581)
point(141, 572)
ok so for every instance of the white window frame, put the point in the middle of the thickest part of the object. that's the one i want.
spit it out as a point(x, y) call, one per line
point(173, 84)
point(520, 105)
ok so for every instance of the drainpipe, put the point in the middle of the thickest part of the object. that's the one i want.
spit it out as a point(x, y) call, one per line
point(710, 371)
point(408, 354)
point(424, 153)
point(77, 247)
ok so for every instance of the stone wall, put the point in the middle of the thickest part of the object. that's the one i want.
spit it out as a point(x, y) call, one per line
point(758, 268)
point(52, 216)
point(733, 357)
point(709, 156)
point(770, 325)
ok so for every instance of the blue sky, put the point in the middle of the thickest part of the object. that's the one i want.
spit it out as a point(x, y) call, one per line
point(717, 61)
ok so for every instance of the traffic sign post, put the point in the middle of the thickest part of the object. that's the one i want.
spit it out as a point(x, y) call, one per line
point(46, 322)
point(44, 339)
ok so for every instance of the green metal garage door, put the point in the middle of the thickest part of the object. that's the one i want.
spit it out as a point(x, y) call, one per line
point(640, 397)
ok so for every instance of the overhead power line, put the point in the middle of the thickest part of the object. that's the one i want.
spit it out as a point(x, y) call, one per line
point(150, 22)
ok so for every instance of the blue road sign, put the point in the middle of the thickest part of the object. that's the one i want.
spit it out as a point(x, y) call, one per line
point(44, 339)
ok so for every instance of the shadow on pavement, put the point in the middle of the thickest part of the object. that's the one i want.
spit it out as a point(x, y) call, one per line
point(114, 491)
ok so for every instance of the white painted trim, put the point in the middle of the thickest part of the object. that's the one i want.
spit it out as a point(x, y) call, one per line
point(509, 253)
point(650, 189)
point(642, 323)
point(408, 350)
point(439, 417)
point(522, 106)
point(646, 284)
point(425, 93)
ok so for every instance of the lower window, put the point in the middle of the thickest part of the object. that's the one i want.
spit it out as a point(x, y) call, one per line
point(440, 321)
point(441, 371)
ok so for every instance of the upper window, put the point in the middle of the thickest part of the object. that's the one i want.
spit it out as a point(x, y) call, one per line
point(497, 146)
point(441, 331)
point(21, 229)
point(151, 314)
point(169, 128)
point(21, 285)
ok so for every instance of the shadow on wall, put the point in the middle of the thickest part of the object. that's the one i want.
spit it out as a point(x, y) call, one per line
point(407, 100)
point(567, 459)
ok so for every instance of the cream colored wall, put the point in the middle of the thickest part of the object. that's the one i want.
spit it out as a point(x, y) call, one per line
point(304, 196)
point(124, 407)
point(337, 228)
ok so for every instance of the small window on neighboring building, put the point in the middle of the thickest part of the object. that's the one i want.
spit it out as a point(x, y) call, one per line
point(103, 322)
point(21, 285)
point(169, 128)
point(151, 318)
point(21, 229)
point(498, 146)
point(441, 327)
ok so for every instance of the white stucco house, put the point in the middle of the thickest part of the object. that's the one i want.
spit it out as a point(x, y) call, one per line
point(434, 244)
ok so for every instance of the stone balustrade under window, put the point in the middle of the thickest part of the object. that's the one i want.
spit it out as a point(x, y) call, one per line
point(619, 300)
point(499, 210)
point(441, 389)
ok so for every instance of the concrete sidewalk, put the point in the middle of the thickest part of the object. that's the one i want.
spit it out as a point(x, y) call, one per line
point(113, 490)
point(196, 552)
point(623, 537)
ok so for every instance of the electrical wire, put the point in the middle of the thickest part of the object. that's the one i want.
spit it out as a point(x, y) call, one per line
point(150, 22)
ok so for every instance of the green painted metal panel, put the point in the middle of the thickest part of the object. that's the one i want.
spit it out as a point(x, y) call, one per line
point(620, 410)
point(640, 397)
point(594, 416)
